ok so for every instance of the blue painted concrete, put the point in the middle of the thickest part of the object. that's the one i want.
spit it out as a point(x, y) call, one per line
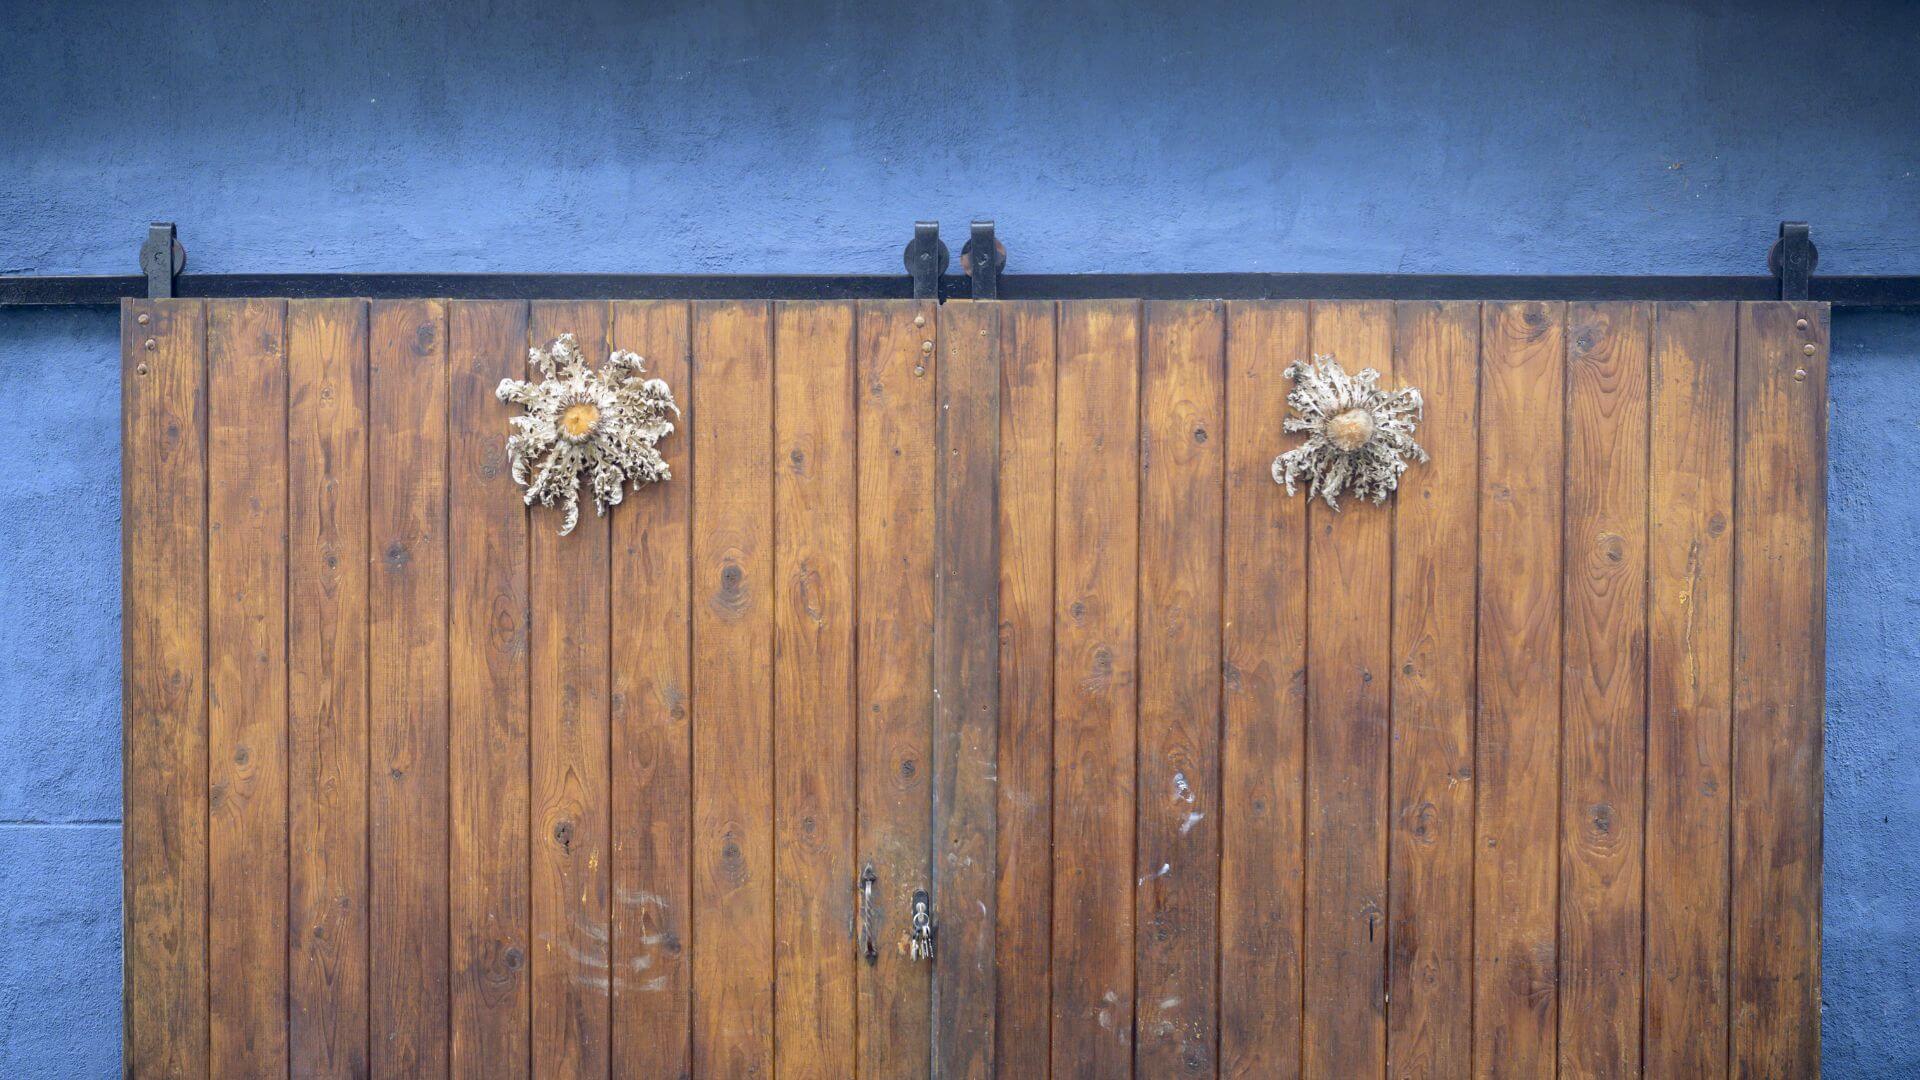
point(1618, 137)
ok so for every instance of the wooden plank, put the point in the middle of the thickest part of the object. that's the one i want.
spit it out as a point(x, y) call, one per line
point(966, 673)
point(1024, 913)
point(652, 734)
point(247, 686)
point(733, 689)
point(570, 735)
point(1096, 541)
point(1430, 836)
point(895, 677)
point(1176, 913)
point(1263, 705)
point(327, 686)
point(407, 605)
point(1349, 616)
point(1780, 573)
point(163, 534)
point(1689, 688)
point(1603, 687)
point(487, 687)
point(813, 757)
point(1517, 740)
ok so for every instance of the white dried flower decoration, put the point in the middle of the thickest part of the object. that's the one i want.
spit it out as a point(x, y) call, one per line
point(604, 423)
point(1359, 436)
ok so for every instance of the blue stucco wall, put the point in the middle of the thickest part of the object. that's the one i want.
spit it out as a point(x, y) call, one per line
point(729, 136)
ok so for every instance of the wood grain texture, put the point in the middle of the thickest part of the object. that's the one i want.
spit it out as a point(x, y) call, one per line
point(1263, 705)
point(1780, 572)
point(571, 739)
point(733, 607)
point(1430, 834)
point(1603, 687)
point(1517, 750)
point(652, 762)
point(1349, 638)
point(966, 674)
point(895, 679)
point(1689, 688)
point(327, 686)
point(487, 688)
point(163, 568)
point(813, 737)
point(407, 605)
point(1023, 946)
point(1176, 912)
point(1095, 703)
point(247, 686)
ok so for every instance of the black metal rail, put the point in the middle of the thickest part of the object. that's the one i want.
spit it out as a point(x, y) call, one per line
point(1792, 261)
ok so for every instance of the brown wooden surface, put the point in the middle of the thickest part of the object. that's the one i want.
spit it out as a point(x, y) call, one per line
point(1349, 621)
point(1517, 738)
point(1780, 574)
point(652, 754)
point(570, 736)
point(1519, 773)
point(163, 582)
point(1603, 680)
point(1689, 687)
point(733, 608)
point(327, 686)
point(407, 605)
point(966, 672)
point(1023, 946)
point(1263, 705)
point(1097, 550)
point(487, 686)
point(247, 686)
point(894, 693)
point(1182, 414)
point(813, 748)
point(1430, 823)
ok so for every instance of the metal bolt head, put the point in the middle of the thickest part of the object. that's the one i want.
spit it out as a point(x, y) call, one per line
point(1807, 348)
point(145, 318)
point(926, 346)
point(141, 370)
point(148, 344)
point(1800, 324)
point(921, 320)
point(919, 370)
point(1799, 374)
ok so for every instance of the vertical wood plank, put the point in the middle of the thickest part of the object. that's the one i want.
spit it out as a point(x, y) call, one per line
point(895, 678)
point(327, 686)
point(1603, 683)
point(813, 756)
point(1780, 571)
point(487, 687)
point(1517, 740)
point(1097, 545)
point(1178, 846)
point(1263, 641)
point(1430, 838)
point(1349, 621)
point(163, 530)
point(569, 577)
point(1689, 688)
point(407, 605)
point(247, 685)
point(1025, 841)
point(733, 891)
point(652, 734)
point(966, 672)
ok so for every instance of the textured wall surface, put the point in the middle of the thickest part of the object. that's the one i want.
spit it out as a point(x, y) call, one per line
point(1605, 137)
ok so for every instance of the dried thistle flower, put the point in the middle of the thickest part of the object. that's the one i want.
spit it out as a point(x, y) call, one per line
point(603, 423)
point(1358, 435)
